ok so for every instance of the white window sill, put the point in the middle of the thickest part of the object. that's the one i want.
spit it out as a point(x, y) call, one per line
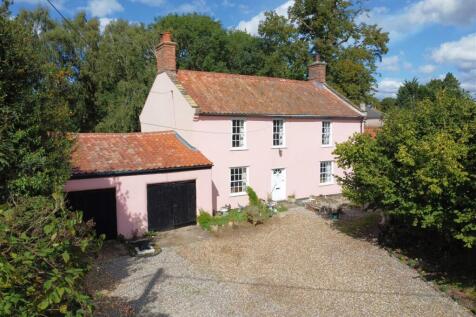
point(278, 147)
point(238, 194)
point(326, 184)
point(327, 145)
point(238, 149)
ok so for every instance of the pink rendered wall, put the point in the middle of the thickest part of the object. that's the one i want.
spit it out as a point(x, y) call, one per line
point(167, 109)
point(131, 194)
point(301, 156)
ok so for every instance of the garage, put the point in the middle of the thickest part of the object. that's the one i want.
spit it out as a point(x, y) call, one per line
point(132, 183)
point(171, 205)
point(98, 205)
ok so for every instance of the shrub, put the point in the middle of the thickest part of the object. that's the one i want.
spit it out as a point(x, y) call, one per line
point(257, 214)
point(45, 251)
point(252, 197)
point(204, 220)
point(421, 166)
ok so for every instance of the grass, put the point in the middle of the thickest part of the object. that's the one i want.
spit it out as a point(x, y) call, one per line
point(449, 267)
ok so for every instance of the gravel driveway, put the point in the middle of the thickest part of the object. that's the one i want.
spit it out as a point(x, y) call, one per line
point(294, 265)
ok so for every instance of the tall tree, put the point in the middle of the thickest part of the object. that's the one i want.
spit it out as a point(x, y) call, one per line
point(411, 92)
point(201, 41)
point(33, 155)
point(124, 74)
point(286, 53)
point(420, 167)
point(349, 46)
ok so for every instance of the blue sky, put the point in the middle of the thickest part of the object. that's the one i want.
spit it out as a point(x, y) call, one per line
point(427, 37)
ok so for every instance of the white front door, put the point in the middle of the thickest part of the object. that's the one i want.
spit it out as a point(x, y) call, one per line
point(278, 184)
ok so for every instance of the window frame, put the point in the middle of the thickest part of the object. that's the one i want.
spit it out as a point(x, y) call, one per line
point(244, 145)
point(329, 132)
point(331, 173)
point(283, 145)
point(246, 180)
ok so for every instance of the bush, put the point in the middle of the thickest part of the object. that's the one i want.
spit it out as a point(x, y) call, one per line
point(204, 220)
point(252, 197)
point(45, 251)
point(421, 166)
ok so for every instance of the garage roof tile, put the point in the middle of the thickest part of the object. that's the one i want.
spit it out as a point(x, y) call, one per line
point(118, 153)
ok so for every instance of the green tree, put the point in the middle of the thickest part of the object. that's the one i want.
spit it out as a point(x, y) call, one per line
point(200, 40)
point(44, 246)
point(420, 167)
point(412, 91)
point(349, 47)
point(34, 154)
point(387, 104)
point(244, 53)
point(286, 54)
point(72, 50)
point(124, 74)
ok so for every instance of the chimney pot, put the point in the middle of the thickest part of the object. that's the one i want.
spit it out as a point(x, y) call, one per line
point(165, 54)
point(317, 70)
point(166, 37)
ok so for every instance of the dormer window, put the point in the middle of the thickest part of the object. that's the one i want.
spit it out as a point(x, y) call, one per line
point(326, 139)
point(238, 137)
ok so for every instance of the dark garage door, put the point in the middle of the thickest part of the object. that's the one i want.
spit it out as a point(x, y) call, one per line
point(99, 205)
point(171, 205)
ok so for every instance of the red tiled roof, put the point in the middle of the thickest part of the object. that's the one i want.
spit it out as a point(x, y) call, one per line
point(220, 93)
point(371, 131)
point(103, 153)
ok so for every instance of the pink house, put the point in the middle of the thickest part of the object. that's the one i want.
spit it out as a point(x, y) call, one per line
point(276, 135)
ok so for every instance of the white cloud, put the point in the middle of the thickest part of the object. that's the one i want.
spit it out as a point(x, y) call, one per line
point(416, 16)
point(199, 6)
point(390, 63)
point(102, 8)
point(388, 87)
point(468, 81)
point(461, 53)
point(103, 22)
point(228, 3)
point(151, 3)
point(427, 69)
point(251, 25)
point(407, 66)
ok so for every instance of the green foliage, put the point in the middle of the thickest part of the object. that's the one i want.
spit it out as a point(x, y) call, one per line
point(44, 247)
point(205, 220)
point(34, 154)
point(252, 197)
point(44, 252)
point(387, 104)
point(350, 48)
point(103, 77)
point(285, 51)
point(411, 92)
point(421, 166)
point(257, 214)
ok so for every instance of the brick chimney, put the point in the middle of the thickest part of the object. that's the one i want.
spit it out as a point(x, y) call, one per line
point(317, 70)
point(165, 54)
